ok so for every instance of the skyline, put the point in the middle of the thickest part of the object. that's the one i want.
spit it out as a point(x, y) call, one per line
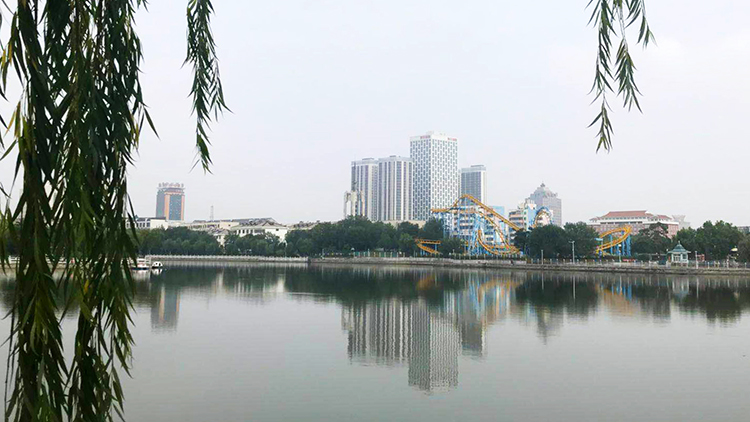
point(307, 98)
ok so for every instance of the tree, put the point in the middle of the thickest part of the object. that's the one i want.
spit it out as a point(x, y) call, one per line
point(75, 130)
point(652, 240)
point(521, 240)
point(406, 243)
point(686, 237)
point(433, 230)
point(743, 249)
point(611, 18)
point(409, 228)
point(550, 238)
point(717, 240)
point(451, 246)
point(585, 237)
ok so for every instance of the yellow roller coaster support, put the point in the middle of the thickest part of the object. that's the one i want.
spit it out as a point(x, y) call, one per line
point(624, 235)
point(486, 209)
point(423, 245)
point(493, 249)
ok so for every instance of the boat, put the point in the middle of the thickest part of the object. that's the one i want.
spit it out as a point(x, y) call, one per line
point(157, 265)
point(142, 264)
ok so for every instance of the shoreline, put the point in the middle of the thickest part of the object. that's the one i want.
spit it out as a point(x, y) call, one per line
point(624, 268)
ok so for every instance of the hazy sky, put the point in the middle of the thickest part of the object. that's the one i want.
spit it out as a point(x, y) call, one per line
point(314, 85)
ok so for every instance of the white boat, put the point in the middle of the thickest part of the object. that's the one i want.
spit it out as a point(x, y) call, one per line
point(157, 265)
point(142, 264)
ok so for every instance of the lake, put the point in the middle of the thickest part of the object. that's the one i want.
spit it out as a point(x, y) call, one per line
point(327, 343)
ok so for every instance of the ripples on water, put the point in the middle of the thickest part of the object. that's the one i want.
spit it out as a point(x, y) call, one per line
point(426, 324)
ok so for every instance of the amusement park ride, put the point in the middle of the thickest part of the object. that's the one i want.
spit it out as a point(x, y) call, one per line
point(486, 232)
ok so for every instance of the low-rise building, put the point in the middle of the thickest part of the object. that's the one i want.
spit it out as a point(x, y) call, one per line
point(207, 225)
point(637, 220)
point(148, 223)
point(259, 226)
point(523, 216)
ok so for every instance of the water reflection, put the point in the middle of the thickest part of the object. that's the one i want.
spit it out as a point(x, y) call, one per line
point(427, 320)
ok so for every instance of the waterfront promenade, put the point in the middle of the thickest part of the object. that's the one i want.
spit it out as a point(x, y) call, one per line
point(716, 268)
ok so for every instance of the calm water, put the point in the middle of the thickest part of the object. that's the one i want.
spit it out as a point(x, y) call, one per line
point(272, 343)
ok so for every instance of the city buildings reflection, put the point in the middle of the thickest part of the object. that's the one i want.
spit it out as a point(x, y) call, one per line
point(429, 320)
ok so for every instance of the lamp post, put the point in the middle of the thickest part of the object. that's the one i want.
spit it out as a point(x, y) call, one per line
point(573, 242)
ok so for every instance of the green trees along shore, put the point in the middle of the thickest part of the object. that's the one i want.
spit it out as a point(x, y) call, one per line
point(716, 241)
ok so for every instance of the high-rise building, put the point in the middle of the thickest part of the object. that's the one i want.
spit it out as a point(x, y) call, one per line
point(474, 182)
point(543, 197)
point(365, 183)
point(395, 181)
point(170, 201)
point(436, 173)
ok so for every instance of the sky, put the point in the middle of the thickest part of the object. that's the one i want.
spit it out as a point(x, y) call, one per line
point(314, 85)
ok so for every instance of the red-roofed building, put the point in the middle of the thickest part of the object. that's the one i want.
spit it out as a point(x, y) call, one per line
point(637, 220)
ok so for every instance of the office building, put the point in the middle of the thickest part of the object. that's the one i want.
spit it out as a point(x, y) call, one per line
point(436, 172)
point(474, 182)
point(365, 184)
point(544, 197)
point(394, 188)
point(170, 201)
point(636, 220)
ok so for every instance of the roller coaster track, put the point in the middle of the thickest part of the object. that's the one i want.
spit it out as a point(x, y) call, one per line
point(493, 249)
point(624, 232)
point(456, 207)
point(424, 244)
point(470, 206)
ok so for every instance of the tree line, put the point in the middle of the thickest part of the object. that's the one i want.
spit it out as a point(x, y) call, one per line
point(716, 241)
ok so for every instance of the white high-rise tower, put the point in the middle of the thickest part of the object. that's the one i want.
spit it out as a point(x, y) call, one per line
point(395, 181)
point(365, 184)
point(437, 178)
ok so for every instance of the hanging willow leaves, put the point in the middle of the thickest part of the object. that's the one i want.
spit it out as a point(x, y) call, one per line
point(612, 18)
point(75, 130)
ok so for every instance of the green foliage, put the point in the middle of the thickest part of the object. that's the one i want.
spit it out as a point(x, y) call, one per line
point(433, 230)
point(585, 237)
point(611, 19)
point(743, 253)
point(521, 240)
point(75, 130)
point(358, 233)
point(652, 240)
point(550, 238)
point(451, 246)
point(686, 237)
point(257, 245)
point(177, 241)
point(716, 240)
point(406, 244)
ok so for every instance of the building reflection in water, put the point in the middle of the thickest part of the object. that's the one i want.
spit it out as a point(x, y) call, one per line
point(427, 338)
point(393, 332)
point(166, 310)
point(426, 320)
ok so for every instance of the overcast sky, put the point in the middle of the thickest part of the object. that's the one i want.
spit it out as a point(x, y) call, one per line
point(314, 85)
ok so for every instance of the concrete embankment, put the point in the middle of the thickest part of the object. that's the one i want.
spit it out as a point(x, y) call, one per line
point(625, 267)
